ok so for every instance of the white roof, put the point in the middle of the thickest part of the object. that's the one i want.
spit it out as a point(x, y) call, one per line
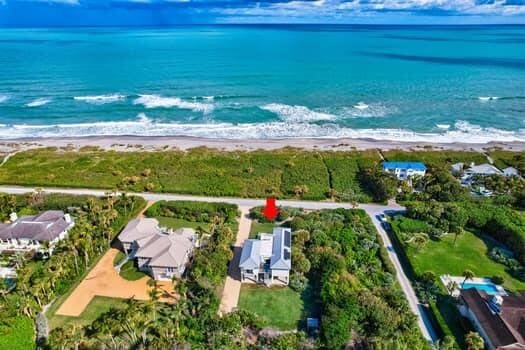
point(510, 171)
point(138, 229)
point(276, 247)
point(484, 169)
point(163, 248)
point(168, 249)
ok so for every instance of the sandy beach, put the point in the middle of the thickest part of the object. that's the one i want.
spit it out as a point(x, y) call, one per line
point(148, 143)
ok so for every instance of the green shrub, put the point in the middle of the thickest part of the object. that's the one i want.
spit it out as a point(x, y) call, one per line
point(194, 211)
point(497, 280)
point(18, 333)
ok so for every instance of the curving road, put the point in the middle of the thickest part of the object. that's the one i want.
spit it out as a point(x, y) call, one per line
point(373, 210)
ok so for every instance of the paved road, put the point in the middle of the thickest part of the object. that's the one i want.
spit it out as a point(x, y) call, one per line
point(232, 286)
point(423, 322)
point(372, 210)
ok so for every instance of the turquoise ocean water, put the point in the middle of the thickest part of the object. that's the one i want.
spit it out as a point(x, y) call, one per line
point(397, 83)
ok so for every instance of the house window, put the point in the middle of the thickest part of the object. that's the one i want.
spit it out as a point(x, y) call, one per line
point(170, 269)
point(249, 271)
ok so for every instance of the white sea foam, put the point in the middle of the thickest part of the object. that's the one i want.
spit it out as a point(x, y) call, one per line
point(361, 106)
point(363, 110)
point(296, 113)
point(4, 98)
point(488, 98)
point(100, 99)
point(38, 102)
point(157, 101)
point(443, 126)
point(462, 132)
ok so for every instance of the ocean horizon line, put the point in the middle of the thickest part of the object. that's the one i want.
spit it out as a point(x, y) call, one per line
point(272, 24)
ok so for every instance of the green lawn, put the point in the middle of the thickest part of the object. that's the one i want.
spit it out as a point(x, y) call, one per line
point(96, 307)
point(258, 227)
point(278, 307)
point(18, 335)
point(119, 258)
point(130, 272)
point(178, 223)
point(470, 253)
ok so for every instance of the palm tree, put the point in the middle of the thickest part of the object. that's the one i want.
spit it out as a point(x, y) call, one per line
point(474, 341)
point(468, 274)
point(452, 286)
point(154, 294)
point(456, 234)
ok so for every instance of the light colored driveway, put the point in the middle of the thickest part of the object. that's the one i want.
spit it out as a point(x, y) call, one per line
point(423, 322)
point(232, 286)
point(371, 209)
point(103, 280)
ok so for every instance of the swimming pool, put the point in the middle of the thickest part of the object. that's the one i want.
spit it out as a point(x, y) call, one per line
point(488, 288)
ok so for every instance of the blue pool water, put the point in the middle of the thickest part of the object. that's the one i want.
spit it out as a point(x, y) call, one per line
point(486, 287)
point(441, 84)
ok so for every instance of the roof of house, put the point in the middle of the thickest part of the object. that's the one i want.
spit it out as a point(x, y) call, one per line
point(457, 166)
point(276, 247)
point(282, 249)
point(504, 327)
point(484, 169)
point(404, 165)
point(167, 249)
point(138, 229)
point(250, 254)
point(45, 226)
point(510, 170)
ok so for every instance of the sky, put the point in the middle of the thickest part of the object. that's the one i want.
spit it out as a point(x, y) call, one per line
point(172, 12)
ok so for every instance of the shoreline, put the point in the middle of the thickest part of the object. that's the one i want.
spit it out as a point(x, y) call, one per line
point(155, 143)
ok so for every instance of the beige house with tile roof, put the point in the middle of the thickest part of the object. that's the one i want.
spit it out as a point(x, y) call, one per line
point(160, 252)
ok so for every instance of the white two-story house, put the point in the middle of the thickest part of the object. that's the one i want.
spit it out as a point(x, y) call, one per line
point(267, 259)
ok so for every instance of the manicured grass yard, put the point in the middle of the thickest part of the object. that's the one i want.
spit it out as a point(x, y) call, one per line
point(469, 253)
point(19, 335)
point(130, 272)
point(258, 227)
point(278, 307)
point(96, 307)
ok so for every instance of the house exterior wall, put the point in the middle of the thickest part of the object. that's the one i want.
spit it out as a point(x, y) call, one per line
point(249, 275)
point(281, 275)
point(166, 273)
point(20, 244)
point(271, 277)
point(404, 174)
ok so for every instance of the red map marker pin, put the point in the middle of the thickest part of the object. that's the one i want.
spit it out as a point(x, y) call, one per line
point(270, 210)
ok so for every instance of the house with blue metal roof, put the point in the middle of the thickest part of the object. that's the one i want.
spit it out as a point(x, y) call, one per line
point(405, 170)
point(267, 259)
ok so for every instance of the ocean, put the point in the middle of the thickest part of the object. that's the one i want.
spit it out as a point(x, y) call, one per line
point(411, 83)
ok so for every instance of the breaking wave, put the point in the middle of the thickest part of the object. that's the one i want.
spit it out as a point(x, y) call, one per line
point(363, 110)
point(488, 98)
point(100, 99)
point(157, 101)
point(4, 98)
point(38, 102)
point(296, 113)
point(463, 132)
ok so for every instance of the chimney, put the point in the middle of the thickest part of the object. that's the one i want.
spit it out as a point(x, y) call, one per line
point(13, 217)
